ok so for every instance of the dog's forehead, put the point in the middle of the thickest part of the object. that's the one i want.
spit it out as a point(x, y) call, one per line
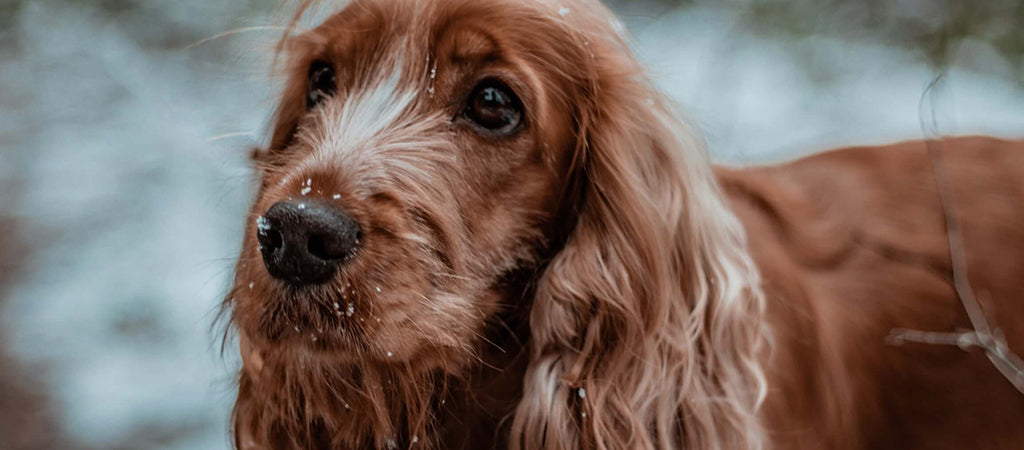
point(409, 25)
point(372, 40)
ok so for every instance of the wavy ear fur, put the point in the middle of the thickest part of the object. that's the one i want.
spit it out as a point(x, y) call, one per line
point(646, 326)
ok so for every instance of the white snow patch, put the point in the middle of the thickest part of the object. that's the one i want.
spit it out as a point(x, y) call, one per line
point(262, 224)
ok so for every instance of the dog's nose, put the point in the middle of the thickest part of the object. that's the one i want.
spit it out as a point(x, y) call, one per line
point(304, 241)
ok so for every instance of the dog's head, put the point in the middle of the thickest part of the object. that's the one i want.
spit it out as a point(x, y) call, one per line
point(425, 150)
point(421, 152)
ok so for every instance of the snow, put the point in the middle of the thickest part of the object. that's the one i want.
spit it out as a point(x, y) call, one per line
point(136, 216)
point(262, 224)
point(433, 78)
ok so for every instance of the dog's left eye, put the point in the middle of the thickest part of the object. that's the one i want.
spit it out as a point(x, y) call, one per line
point(322, 83)
point(495, 108)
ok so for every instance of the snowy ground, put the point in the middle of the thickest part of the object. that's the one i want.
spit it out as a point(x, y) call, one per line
point(123, 174)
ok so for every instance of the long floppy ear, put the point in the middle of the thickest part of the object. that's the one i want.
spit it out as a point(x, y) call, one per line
point(647, 324)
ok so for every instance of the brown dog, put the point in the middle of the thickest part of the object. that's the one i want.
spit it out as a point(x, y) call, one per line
point(480, 227)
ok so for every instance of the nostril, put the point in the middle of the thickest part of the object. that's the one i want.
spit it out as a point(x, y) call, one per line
point(269, 238)
point(318, 247)
point(332, 247)
point(274, 239)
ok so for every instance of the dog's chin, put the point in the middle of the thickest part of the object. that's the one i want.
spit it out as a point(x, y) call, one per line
point(315, 346)
point(352, 348)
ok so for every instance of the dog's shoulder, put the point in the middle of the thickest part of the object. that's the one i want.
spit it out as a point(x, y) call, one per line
point(823, 206)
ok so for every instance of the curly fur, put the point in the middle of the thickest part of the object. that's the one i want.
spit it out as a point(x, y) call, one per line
point(648, 322)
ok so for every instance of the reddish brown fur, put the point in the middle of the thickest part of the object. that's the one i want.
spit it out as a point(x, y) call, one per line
point(583, 283)
point(852, 244)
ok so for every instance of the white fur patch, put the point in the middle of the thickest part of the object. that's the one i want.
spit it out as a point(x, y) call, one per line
point(349, 128)
point(375, 136)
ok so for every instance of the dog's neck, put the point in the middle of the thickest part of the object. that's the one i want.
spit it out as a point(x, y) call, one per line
point(477, 412)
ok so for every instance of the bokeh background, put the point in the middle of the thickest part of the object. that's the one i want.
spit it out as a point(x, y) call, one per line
point(123, 179)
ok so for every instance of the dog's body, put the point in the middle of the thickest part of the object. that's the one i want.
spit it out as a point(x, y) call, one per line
point(852, 244)
point(479, 226)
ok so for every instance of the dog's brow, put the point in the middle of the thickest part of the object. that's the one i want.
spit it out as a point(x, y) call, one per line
point(366, 114)
point(473, 45)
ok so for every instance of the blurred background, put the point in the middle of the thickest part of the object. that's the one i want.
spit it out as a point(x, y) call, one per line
point(123, 180)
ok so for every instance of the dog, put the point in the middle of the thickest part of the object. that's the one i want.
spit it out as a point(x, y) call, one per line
point(480, 226)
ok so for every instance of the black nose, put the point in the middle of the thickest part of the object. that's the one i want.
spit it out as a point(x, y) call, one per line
point(304, 241)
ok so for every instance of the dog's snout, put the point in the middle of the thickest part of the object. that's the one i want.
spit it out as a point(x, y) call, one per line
point(303, 241)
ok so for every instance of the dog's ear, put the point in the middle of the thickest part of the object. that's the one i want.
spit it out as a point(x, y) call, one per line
point(646, 324)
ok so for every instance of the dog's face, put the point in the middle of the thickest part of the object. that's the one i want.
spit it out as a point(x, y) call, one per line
point(420, 154)
point(429, 153)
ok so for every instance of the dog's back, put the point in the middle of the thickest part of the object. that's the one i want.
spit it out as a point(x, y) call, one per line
point(852, 245)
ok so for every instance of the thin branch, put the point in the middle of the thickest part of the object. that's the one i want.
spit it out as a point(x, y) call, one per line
point(982, 336)
point(965, 340)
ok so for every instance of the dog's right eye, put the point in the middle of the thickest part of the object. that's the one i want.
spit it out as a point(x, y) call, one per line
point(322, 83)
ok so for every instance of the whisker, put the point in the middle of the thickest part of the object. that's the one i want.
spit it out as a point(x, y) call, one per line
point(450, 275)
point(233, 32)
point(484, 338)
point(500, 321)
point(231, 135)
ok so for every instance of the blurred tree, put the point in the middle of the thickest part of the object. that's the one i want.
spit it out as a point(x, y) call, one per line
point(934, 29)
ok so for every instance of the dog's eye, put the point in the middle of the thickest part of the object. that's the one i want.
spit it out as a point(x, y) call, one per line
point(495, 108)
point(322, 84)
